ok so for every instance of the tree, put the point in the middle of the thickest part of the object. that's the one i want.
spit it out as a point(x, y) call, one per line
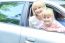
point(4, 6)
point(2, 17)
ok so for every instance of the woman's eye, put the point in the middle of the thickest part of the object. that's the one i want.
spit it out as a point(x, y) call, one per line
point(39, 7)
point(34, 9)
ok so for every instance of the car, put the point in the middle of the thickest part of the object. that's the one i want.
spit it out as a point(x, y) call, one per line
point(10, 33)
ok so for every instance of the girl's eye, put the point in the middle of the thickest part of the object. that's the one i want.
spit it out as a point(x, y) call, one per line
point(44, 17)
point(48, 17)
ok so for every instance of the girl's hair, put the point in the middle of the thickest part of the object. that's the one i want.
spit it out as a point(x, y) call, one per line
point(37, 4)
point(49, 12)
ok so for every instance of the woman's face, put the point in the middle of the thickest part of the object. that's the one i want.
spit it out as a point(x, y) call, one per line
point(38, 10)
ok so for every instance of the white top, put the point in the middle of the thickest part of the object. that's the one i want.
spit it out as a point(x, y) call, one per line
point(35, 23)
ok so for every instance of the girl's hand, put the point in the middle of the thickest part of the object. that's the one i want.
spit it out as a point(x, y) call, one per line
point(61, 30)
point(51, 29)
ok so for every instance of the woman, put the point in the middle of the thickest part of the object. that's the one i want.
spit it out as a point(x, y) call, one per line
point(37, 7)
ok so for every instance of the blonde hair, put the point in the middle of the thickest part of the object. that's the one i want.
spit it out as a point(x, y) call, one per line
point(49, 12)
point(36, 4)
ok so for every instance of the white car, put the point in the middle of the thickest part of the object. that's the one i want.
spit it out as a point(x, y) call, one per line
point(10, 33)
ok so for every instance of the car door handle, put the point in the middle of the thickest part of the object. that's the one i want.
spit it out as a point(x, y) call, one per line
point(29, 40)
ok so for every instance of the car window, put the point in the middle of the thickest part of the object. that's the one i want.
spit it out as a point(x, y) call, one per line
point(10, 12)
point(63, 6)
point(57, 13)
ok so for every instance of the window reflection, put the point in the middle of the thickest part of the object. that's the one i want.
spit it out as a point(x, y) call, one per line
point(10, 12)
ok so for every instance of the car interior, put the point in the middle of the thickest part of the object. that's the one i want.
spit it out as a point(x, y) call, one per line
point(59, 17)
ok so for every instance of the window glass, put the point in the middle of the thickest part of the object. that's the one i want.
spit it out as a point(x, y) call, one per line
point(63, 6)
point(10, 12)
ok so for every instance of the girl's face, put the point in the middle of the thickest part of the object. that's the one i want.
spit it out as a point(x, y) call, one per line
point(47, 19)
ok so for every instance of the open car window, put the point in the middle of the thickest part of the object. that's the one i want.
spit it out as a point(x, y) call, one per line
point(57, 13)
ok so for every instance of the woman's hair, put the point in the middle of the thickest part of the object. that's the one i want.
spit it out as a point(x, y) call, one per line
point(37, 4)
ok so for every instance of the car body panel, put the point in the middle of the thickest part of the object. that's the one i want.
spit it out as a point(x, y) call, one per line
point(9, 33)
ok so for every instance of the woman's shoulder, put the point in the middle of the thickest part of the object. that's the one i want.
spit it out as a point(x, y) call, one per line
point(33, 18)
